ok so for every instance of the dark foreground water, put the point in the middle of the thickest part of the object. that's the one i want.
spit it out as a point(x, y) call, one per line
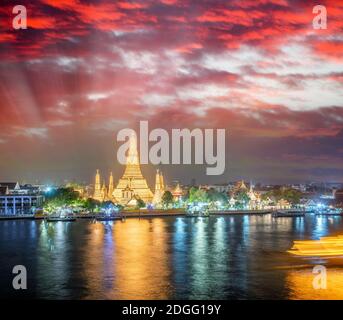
point(238, 257)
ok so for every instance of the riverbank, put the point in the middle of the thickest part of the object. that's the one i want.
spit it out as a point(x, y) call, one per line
point(143, 214)
point(240, 212)
point(152, 214)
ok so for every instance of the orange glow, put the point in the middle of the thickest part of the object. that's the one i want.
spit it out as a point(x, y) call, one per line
point(300, 285)
point(143, 269)
point(324, 247)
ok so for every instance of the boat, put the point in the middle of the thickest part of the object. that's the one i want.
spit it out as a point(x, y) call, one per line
point(198, 214)
point(323, 214)
point(288, 214)
point(331, 212)
point(112, 217)
point(59, 218)
point(198, 211)
point(324, 247)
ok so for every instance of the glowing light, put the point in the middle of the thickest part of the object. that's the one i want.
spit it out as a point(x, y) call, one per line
point(324, 247)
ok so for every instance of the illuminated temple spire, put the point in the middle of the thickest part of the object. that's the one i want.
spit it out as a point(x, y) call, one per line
point(97, 187)
point(132, 157)
point(162, 181)
point(159, 189)
point(110, 186)
point(133, 174)
point(104, 193)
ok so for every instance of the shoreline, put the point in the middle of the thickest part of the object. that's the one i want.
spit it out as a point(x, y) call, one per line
point(146, 214)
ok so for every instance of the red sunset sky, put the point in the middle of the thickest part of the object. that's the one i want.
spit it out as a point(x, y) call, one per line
point(84, 69)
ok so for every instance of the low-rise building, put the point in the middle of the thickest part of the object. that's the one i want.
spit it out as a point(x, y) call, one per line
point(13, 202)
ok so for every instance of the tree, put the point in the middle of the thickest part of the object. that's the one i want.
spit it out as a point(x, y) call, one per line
point(61, 197)
point(293, 196)
point(91, 204)
point(197, 195)
point(140, 204)
point(167, 199)
point(215, 197)
point(242, 199)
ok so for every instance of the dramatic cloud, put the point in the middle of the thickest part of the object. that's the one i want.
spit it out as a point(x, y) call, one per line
point(84, 69)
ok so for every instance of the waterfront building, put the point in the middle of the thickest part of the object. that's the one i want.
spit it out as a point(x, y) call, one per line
point(177, 193)
point(12, 202)
point(241, 186)
point(254, 199)
point(232, 202)
point(13, 187)
point(283, 204)
point(308, 204)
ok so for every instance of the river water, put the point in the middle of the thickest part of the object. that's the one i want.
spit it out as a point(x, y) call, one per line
point(238, 257)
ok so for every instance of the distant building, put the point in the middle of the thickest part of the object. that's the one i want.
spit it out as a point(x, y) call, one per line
point(15, 200)
point(13, 187)
point(177, 192)
point(218, 187)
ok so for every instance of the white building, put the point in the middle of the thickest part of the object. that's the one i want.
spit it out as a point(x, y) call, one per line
point(13, 202)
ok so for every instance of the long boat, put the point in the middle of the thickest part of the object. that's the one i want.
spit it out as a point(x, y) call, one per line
point(330, 213)
point(288, 214)
point(56, 218)
point(324, 247)
point(109, 217)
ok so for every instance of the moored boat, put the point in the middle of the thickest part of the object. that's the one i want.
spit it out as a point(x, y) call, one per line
point(109, 217)
point(330, 212)
point(198, 214)
point(56, 219)
point(288, 214)
point(198, 210)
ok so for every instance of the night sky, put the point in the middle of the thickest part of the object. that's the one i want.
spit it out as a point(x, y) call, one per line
point(85, 69)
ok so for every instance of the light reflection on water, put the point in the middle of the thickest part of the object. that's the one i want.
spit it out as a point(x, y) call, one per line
point(238, 257)
point(300, 284)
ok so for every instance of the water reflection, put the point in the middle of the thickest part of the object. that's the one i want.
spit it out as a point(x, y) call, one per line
point(52, 258)
point(94, 257)
point(300, 285)
point(235, 257)
point(142, 269)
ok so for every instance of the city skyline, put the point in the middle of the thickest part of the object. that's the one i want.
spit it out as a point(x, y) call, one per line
point(85, 69)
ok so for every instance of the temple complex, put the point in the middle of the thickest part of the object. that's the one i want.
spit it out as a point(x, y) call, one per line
point(131, 186)
point(177, 193)
point(132, 178)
